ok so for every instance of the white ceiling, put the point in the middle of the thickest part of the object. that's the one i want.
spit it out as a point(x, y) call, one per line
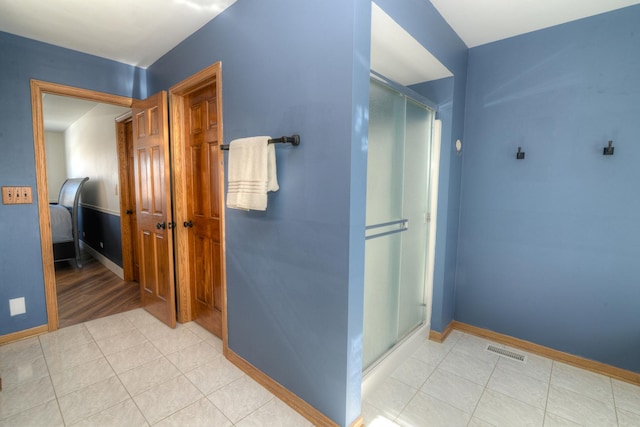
point(410, 65)
point(141, 31)
point(476, 22)
point(60, 112)
point(479, 22)
point(134, 32)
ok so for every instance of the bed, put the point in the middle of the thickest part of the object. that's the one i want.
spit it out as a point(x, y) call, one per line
point(64, 222)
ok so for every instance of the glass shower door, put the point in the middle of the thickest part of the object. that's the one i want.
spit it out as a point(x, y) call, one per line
point(396, 218)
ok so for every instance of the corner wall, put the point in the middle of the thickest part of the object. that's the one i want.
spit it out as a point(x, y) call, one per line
point(426, 25)
point(21, 272)
point(295, 272)
point(548, 248)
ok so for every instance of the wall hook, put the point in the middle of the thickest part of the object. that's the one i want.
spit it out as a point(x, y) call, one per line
point(608, 150)
point(520, 154)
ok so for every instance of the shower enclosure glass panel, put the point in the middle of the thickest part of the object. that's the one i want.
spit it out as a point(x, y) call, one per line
point(397, 209)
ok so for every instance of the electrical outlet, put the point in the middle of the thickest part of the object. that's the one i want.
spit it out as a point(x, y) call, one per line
point(17, 306)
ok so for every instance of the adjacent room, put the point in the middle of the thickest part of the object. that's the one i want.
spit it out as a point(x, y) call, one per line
point(81, 143)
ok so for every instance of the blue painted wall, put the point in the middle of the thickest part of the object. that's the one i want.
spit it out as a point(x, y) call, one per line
point(99, 226)
point(295, 272)
point(426, 25)
point(21, 60)
point(549, 246)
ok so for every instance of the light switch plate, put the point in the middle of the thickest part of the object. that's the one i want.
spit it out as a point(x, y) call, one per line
point(8, 194)
point(17, 195)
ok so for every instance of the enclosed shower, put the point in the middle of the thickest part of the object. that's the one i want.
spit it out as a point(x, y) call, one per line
point(397, 219)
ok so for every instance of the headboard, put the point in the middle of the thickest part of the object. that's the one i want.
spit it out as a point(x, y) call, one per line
point(68, 197)
point(70, 192)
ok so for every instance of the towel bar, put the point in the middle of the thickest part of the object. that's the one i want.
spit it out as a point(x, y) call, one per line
point(293, 140)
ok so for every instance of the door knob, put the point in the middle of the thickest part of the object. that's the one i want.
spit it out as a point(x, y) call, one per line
point(161, 225)
point(188, 224)
point(171, 225)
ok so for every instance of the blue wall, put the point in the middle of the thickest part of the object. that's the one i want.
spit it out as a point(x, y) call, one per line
point(20, 254)
point(295, 272)
point(426, 25)
point(99, 226)
point(549, 246)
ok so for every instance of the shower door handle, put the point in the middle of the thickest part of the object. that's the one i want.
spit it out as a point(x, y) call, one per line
point(404, 226)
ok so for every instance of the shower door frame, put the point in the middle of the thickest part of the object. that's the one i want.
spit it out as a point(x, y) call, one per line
point(384, 366)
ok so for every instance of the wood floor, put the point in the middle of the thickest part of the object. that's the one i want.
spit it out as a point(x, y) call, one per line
point(91, 292)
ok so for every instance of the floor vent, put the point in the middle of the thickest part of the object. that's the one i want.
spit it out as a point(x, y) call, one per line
point(507, 353)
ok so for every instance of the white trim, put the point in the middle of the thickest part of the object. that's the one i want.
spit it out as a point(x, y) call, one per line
point(433, 208)
point(110, 265)
point(382, 369)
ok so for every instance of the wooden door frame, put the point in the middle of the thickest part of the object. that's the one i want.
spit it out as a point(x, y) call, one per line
point(123, 174)
point(38, 88)
point(177, 116)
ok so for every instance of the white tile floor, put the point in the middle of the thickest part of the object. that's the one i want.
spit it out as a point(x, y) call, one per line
point(459, 383)
point(130, 370)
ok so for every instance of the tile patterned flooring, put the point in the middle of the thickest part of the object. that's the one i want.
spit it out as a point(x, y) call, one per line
point(459, 383)
point(130, 370)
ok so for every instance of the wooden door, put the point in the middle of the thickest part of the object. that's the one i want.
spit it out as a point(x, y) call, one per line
point(130, 250)
point(131, 195)
point(153, 207)
point(203, 175)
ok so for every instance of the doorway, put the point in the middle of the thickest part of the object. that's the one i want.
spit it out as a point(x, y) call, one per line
point(82, 140)
point(198, 171)
point(38, 89)
point(189, 170)
point(397, 220)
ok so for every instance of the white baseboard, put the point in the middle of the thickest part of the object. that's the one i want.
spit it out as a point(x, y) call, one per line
point(110, 265)
point(375, 375)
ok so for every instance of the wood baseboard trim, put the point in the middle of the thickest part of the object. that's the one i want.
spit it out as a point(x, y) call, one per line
point(358, 422)
point(15, 336)
point(540, 350)
point(441, 336)
point(303, 408)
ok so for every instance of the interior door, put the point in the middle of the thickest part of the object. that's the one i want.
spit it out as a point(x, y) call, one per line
point(153, 207)
point(203, 174)
point(130, 196)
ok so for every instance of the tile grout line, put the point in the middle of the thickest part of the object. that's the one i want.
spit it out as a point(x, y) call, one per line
point(118, 375)
point(546, 402)
point(423, 383)
point(46, 363)
point(615, 407)
point(170, 379)
point(427, 379)
point(484, 390)
point(184, 374)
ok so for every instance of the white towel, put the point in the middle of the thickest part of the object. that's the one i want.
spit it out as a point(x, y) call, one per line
point(252, 173)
